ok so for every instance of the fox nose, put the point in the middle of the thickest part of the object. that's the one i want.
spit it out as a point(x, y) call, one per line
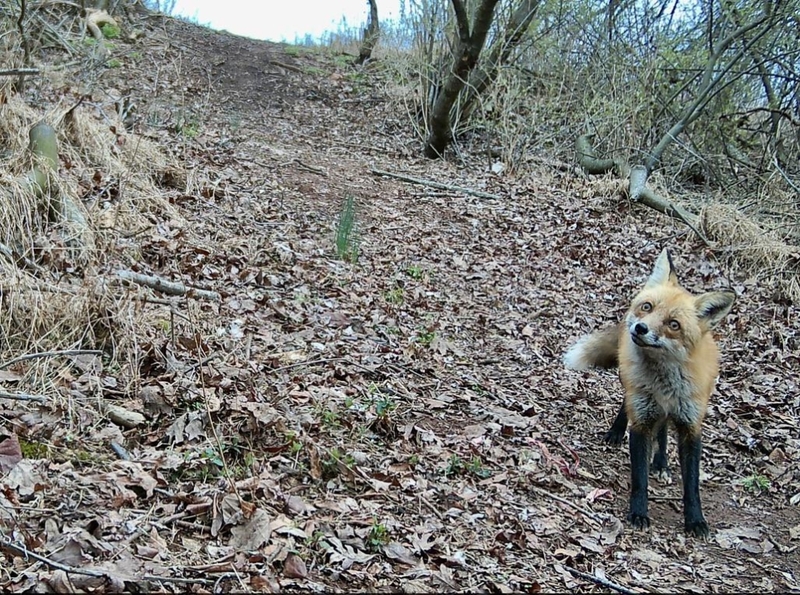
point(640, 328)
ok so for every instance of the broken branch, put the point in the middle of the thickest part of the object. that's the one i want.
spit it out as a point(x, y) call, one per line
point(27, 356)
point(22, 397)
point(18, 71)
point(433, 184)
point(603, 582)
point(168, 287)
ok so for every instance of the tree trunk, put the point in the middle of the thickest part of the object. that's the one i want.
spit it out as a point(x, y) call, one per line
point(371, 33)
point(465, 58)
point(482, 78)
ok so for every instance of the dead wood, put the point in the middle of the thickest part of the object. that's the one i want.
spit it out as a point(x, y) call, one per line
point(603, 582)
point(22, 397)
point(587, 513)
point(27, 356)
point(165, 286)
point(371, 34)
point(638, 191)
point(123, 417)
point(18, 71)
point(433, 184)
point(21, 550)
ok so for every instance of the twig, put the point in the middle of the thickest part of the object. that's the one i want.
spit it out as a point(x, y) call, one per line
point(165, 286)
point(9, 253)
point(583, 511)
point(120, 451)
point(18, 71)
point(311, 168)
point(322, 360)
point(603, 582)
point(431, 507)
point(22, 397)
point(433, 184)
point(25, 552)
point(27, 356)
point(286, 66)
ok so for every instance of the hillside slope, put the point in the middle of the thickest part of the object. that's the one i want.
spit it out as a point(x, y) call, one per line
point(398, 423)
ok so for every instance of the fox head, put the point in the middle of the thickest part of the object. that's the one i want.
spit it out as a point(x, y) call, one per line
point(665, 319)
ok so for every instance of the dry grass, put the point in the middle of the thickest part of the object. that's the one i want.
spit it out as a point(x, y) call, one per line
point(753, 250)
point(56, 289)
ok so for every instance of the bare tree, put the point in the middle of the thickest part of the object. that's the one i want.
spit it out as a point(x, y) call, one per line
point(371, 33)
point(499, 53)
point(470, 42)
point(716, 75)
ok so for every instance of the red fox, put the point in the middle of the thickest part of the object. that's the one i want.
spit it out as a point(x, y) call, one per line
point(668, 364)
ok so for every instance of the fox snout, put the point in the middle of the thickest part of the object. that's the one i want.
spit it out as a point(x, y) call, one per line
point(642, 336)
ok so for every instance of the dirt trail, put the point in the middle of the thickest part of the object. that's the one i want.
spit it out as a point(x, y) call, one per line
point(411, 423)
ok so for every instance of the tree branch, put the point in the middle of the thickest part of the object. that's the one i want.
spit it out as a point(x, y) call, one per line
point(165, 286)
point(28, 356)
point(433, 184)
point(707, 83)
point(603, 582)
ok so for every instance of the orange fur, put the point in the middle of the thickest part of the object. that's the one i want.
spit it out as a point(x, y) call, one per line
point(668, 364)
point(684, 364)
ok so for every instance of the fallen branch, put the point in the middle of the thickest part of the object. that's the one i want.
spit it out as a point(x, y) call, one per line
point(27, 356)
point(9, 254)
point(168, 287)
point(286, 66)
point(662, 205)
point(311, 168)
point(22, 397)
point(18, 71)
point(21, 550)
point(594, 165)
point(123, 417)
point(587, 513)
point(603, 582)
point(432, 184)
point(637, 184)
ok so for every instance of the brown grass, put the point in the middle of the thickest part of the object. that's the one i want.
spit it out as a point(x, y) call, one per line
point(58, 290)
point(752, 249)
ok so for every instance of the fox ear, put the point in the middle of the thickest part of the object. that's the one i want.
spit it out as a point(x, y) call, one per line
point(714, 306)
point(663, 271)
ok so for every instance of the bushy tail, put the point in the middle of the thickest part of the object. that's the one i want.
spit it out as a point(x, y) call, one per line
point(598, 350)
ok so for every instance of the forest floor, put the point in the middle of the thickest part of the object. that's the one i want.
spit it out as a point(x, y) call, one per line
point(401, 421)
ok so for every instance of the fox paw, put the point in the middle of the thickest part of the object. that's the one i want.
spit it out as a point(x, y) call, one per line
point(697, 528)
point(639, 521)
point(662, 474)
point(614, 437)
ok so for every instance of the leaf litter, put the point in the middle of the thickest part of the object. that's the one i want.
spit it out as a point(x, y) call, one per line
point(401, 422)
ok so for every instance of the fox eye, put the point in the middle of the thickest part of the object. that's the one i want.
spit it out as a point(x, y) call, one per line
point(674, 325)
point(647, 307)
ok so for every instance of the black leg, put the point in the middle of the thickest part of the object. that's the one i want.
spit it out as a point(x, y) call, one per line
point(639, 443)
point(616, 434)
point(660, 463)
point(689, 447)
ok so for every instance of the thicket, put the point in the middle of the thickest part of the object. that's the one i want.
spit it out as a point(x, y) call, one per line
point(702, 96)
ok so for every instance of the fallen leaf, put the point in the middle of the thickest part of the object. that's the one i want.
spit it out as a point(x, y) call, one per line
point(253, 534)
point(294, 567)
point(397, 551)
point(10, 453)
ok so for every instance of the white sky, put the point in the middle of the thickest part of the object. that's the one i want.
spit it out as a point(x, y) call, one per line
point(281, 20)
